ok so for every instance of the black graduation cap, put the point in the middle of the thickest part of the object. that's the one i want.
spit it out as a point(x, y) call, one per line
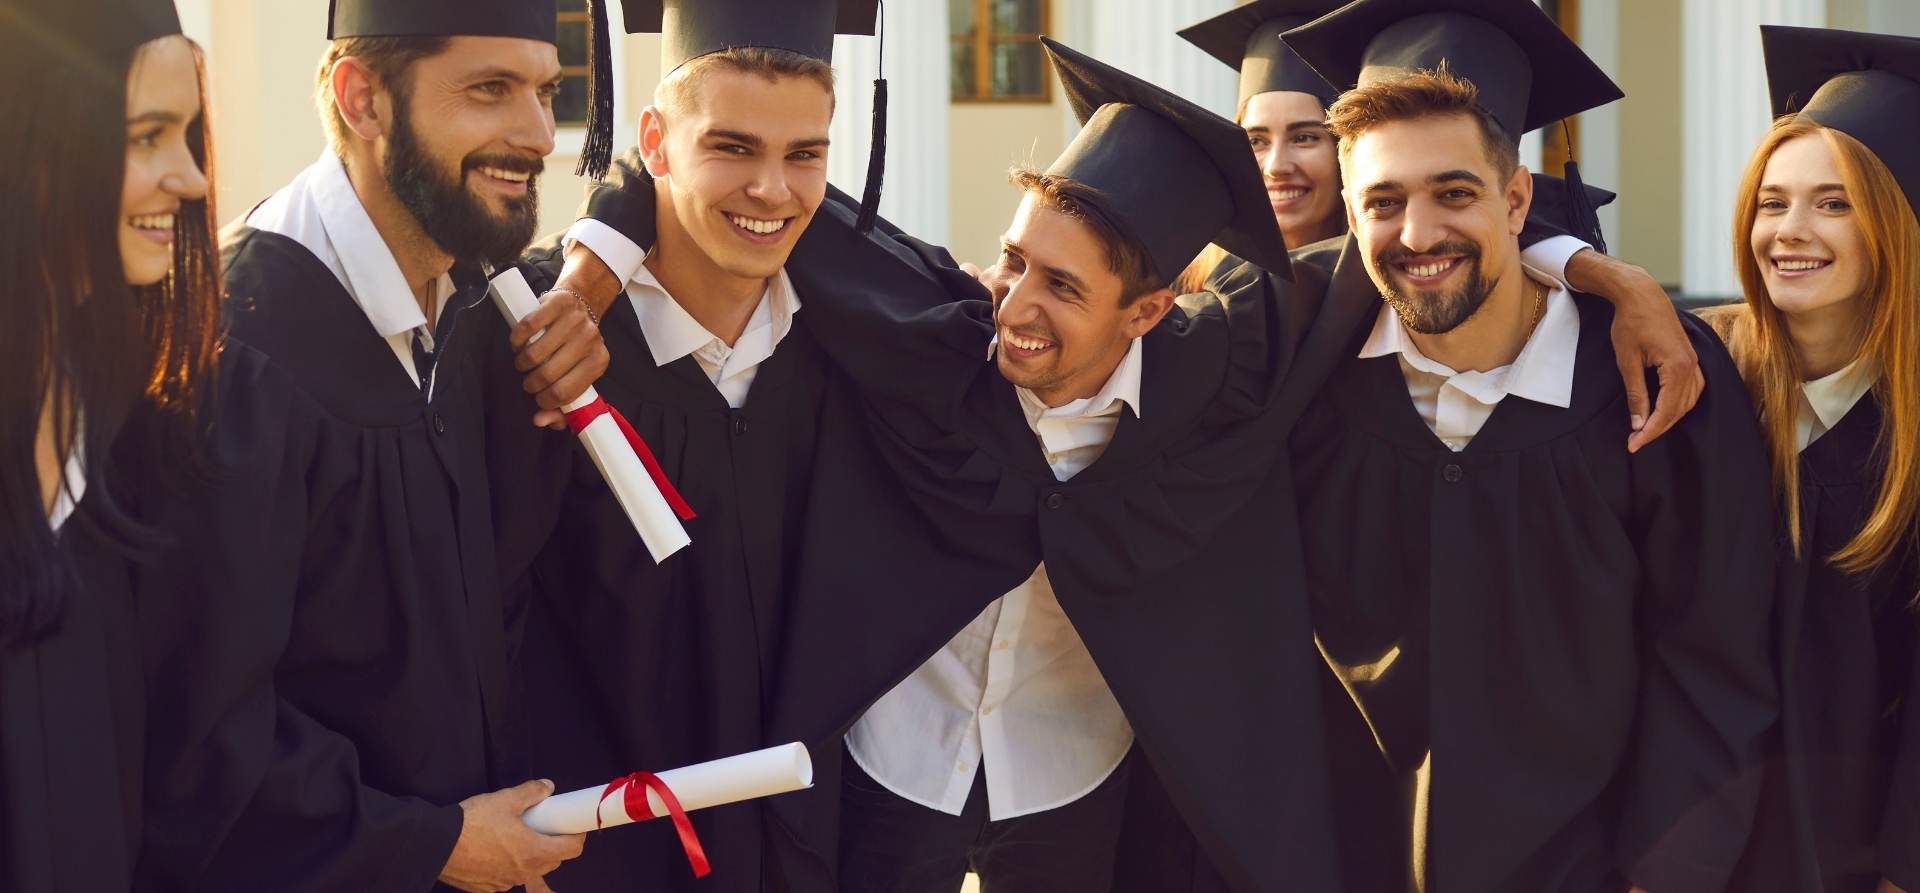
point(1176, 175)
point(1866, 86)
point(529, 19)
point(106, 31)
point(1247, 38)
point(690, 29)
point(1530, 74)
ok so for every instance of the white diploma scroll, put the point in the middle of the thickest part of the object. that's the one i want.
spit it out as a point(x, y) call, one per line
point(645, 506)
point(763, 773)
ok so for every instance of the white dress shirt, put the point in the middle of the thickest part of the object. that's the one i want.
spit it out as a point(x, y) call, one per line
point(1015, 694)
point(1826, 400)
point(1456, 404)
point(320, 210)
point(67, 498)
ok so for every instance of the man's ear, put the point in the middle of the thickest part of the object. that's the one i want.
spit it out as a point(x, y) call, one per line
point(357, 94)
point(1519, 199)
point(1147, 311)
point(653, 141)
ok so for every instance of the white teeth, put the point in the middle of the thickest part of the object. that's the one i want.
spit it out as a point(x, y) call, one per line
point(509, 176)
point(1793, 266)
point(760, 227)
point(1427, 270)
point(1027, 343)
point(1286, 194)
point(151, 221)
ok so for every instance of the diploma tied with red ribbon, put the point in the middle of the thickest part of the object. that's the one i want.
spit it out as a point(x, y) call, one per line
point(674, 793)
point(649, 499)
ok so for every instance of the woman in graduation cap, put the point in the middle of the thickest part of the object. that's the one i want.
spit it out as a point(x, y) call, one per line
point(1828, 250)
point(111, 310)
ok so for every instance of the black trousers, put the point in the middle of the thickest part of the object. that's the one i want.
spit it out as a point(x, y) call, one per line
point(892, 845)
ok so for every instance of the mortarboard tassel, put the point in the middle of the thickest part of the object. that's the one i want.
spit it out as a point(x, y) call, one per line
point(877, 159)
point(1585, 217)
point(597, 153)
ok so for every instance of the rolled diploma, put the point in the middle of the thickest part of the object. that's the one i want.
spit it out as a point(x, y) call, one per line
point(652, 518)
point(763, 773)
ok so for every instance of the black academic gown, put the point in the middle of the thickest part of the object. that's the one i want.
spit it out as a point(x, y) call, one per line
point(939, 501)
point(71, 725)
point(1841, 808)
point(627, 665)
point(327, 653)
point(1576, 635)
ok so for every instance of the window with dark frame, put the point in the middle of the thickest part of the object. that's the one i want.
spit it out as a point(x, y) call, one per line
point(570, 107)
point(996, 52)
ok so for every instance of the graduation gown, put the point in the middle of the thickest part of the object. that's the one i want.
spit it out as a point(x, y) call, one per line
point(627, 665)
point(1577, 636)
point(938, 501)
point(328, 646)
point(71, 725)
point(1841, 808)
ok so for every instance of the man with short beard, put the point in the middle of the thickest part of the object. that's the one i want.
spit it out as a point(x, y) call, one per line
point(1560, 647)
point(338, 698)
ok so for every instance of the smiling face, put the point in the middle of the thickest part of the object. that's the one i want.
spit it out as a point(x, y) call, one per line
point(744, 158)
point(163, 105)
point(465, 149)
point(1061, 309)
point(1806, 236)
point(1437, 220)
point(1298, 160)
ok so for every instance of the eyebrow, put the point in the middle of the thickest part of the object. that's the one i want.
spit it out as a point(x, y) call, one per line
point(1824, 187)
point(505, 74)
point(1456, 175)
point(736, 136)
point(1306, 125)
point(156, 116)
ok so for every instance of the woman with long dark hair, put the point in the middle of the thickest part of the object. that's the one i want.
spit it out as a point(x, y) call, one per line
point(110, 301)
point(1827, 246)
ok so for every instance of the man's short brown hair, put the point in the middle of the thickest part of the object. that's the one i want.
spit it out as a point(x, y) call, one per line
point(391, 61)
point(677, 91)
point(1126, 257)
point(1417, 95)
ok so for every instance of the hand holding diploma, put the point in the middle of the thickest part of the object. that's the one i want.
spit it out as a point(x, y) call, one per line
point(676, 792)
point(649, 499)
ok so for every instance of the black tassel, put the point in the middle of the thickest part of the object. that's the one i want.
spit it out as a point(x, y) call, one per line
point(1580, 207)
point(597, 153)
point(876, 161)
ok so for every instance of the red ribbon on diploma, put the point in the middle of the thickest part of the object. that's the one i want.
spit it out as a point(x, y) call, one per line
point(580, 418)
point(639, 810)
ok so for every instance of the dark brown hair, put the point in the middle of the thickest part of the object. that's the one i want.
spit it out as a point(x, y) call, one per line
point(678, 89)
point(1417, 95)
point(1126, 257)
point(391, 61)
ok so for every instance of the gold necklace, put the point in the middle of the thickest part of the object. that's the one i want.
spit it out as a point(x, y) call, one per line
point(1539, 304)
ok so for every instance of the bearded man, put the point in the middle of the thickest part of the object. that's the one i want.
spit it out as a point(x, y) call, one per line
point(336, 686)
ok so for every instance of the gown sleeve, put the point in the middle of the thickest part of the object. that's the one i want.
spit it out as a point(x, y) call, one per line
point(1900, 827)
point(1708, 692)
point(246, 791)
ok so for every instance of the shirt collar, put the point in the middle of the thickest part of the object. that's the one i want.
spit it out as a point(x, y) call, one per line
point(373, 275)
point(672, 333)
point(1543, 372)
point(1830, 397)
point(1122, 387)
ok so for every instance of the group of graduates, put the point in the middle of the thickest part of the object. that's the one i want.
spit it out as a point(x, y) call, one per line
point(1451, 558)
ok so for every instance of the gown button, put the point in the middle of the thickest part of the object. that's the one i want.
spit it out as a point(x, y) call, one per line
point(1452, 473)
point(739, 425)
point(439, 424)
point(1055, 500)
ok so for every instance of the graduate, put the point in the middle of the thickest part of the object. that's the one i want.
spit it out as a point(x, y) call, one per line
point(1282, 106)
point(333, 658)
point(1560, 646)
point(112, 309)
point(630, 665)
point(1826, 340)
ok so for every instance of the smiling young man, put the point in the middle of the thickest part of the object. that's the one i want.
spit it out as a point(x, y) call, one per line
point(630, 665)
point(1560, 647)
point(339, 707)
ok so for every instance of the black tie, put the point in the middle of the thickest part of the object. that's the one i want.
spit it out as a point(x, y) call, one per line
point(422, 360)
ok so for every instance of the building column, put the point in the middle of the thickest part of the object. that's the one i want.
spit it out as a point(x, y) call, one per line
point(1724, 114)
point(1138, 36)
point(1894, 17)
point(1599, 151)
point(914, 196)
